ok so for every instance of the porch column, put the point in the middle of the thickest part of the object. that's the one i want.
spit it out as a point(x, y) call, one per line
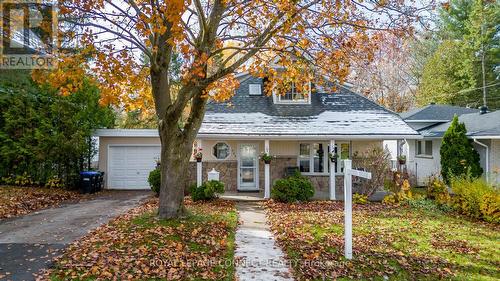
point(332, 172)
point(267, 180)
point(199, 167)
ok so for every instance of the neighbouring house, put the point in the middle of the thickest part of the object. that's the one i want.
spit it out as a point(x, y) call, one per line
point(432, 121)
point(299, 129)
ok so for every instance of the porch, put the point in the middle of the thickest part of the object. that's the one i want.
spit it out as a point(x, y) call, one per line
point(247, 177)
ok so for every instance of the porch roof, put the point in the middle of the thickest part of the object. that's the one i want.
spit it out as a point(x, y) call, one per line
point(372, 124)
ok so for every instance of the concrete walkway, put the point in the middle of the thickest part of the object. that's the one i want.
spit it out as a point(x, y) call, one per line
point(28, 243)
point(257, 255)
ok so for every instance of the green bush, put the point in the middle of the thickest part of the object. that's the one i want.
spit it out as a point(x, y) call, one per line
point(207, 191)
point(292, 189)
point(476, 198)
point(458, 156)
point(154, 180)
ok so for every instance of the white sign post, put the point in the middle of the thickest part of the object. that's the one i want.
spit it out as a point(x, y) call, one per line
point(348, 173)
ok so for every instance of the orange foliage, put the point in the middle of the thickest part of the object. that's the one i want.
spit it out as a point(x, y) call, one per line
point(284, 41)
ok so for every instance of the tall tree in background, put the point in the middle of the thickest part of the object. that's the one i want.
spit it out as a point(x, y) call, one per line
point(388, 78)
point(467, 60)
point(216, 38)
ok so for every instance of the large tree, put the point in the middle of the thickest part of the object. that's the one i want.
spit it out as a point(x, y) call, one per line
point(388, 79)
point(216, 38)
point(463, 70)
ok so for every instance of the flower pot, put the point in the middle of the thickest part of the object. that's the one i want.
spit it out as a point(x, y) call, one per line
point(267, 161)
point(402, 162)
point(198, 159)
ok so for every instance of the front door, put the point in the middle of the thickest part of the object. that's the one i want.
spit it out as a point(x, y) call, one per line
point(248, 167)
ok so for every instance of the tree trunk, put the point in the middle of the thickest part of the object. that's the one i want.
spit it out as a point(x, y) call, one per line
point(174, 168)
point(176, 149)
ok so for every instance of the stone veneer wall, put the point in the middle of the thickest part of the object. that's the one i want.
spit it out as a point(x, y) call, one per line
point(227, 172)
point(228, 175)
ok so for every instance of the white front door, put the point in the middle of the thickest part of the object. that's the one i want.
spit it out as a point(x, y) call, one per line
point(248, 168)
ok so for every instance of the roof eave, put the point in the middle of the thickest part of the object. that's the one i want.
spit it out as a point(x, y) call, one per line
point(309, 137)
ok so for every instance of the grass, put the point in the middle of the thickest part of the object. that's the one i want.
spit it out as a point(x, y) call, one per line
point(140, 246)
point(396, 243)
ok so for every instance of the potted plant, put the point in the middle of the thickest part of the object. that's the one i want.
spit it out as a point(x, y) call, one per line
point(197, 154)
point(402, 159)
point(333, 157)
point(266, 158)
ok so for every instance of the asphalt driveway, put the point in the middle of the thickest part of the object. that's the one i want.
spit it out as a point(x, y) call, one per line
point(28, 243)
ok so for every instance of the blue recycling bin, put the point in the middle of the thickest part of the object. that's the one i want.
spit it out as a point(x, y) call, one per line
point(90, 181)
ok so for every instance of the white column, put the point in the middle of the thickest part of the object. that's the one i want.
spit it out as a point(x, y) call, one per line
point(348, 209)
point(267, 179)
point(332, 172)
point(199, 167)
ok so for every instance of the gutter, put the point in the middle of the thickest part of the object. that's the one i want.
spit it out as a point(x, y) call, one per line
point(487, 157)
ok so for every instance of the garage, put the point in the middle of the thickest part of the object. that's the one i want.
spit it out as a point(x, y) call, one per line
point(129, 165)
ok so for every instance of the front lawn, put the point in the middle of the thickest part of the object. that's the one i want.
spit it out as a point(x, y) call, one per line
point(139, 246)
point(16, 201)
point(398, 243)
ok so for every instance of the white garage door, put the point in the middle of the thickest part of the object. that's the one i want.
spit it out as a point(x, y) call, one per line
point(129, 166)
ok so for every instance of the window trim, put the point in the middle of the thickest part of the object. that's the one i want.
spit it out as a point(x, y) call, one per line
point(278, 98)
point(326, 163)
point(424, 155)
point(254, 84)
point(228, 151)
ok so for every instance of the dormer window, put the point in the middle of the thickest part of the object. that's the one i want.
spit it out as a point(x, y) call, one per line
point(293, 95)
point(254, 90)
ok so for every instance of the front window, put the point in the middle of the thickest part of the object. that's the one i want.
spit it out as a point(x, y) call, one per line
point(313, 157)
point(305, 158)
point(424, 148)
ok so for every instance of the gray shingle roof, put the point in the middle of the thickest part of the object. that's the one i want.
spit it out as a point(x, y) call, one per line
point(477, 125)
point(342, 113)
point(436, 112)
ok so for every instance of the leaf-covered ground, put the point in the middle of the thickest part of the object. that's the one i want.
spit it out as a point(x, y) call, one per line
point(139, 246)
point(16, 201)
point(398, 243)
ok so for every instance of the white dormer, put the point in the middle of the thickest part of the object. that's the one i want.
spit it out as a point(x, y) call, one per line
point(292, 96)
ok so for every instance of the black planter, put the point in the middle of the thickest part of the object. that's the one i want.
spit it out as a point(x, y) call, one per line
point(198, 159)
point(267, 161)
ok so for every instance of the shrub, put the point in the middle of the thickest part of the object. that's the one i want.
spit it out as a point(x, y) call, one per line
point(359, 198)
point(376, 161)
point(292, 189)
point(490, 207)
point(437, 190)
point(154, 181)
point(19, 180)
point(54, 182)
point(475, 198)
point(401, 194)
point(458, 156)
point(207, 191)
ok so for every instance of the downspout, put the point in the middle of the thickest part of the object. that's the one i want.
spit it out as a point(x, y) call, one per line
point(487, 158)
